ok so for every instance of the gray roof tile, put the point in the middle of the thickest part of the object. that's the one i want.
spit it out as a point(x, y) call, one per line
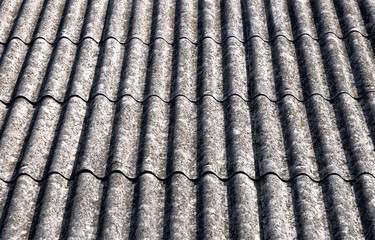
point(187, 119)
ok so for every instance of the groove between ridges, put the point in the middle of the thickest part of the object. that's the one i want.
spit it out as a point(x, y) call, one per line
point(195, 180)
point(187, 38)
point(143, 101)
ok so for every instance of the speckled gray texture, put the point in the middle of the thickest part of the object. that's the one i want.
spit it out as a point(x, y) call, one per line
point(187, 119)
point(8, 14)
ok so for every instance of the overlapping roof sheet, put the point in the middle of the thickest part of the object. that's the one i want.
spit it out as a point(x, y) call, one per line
point(187, 119)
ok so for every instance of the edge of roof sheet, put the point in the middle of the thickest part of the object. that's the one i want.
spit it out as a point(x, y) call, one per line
point(53, 42)
point(174, 98)
point(192, 179)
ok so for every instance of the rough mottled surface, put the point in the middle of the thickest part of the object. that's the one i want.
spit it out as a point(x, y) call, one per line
point(187, 119)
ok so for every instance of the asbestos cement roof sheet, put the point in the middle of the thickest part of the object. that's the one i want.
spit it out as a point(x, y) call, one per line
point(187, 119)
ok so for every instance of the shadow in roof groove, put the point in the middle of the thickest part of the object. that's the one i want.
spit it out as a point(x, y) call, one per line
point(314, 109)
point(29, 130)
point(344, 108)
point(199, 207)
point(289, 139)
point(40, 18)
point(168, 230)
point(62, 20)
point(134, 212)
point(168, 198)
point(26, 60)
point(232, 190)
point(365, 7)
point(12, 11)
point(368, 108)
point(349, 16)
point(20, 162)
point(124, 84)
point(67, 218)
point(41, 195)
point(10, 196)
point(367, 102)
point(296, 184)
point(233, 211)
point(361, 57)
point(8, 48)
point(335, 58)
point(111, 162)
point(168, 201)
point(296, 134)
point(105, 219)
point(337, 223)
point(35, 7)
point(362, 61)
point(115, 129)
point(8, 200)
point(363, 80)
point(16, 19)
point(250, 80)
point(267, 220)
point(79, 52)
point(361, 186)
point(43, 188)
point(227, 88)
point(146, 91)
point(211, 208)
point(137, 225)
point(78, 161)
point(237, 119)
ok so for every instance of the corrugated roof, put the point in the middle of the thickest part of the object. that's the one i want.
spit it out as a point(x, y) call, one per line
point(187, 119)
